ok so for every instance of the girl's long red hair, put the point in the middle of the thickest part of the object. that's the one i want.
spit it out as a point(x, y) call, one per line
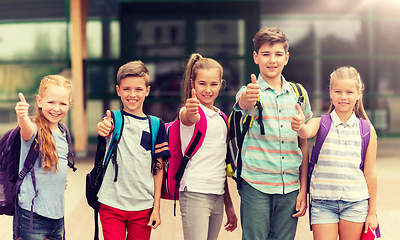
point(46, 142)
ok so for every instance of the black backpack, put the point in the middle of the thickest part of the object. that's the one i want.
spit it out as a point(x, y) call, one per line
point(238, 127)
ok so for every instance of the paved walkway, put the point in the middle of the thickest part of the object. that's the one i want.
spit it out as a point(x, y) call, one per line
point(79, 216)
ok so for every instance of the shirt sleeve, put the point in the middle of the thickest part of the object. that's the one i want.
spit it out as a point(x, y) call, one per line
point(161, 147)
point(236, 106)
point(308, 114)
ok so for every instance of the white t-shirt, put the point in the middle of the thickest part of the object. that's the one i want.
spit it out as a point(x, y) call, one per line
point(134, 188)
point(205, 171)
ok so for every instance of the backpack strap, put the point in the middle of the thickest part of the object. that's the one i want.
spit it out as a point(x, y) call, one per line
point(223, 115)
point(195, 143)
point(30, 160)
point(154, 125)
point(365, 129)
point(300, 93)
point(112, 149)
point(69, 140)
point(324, 127)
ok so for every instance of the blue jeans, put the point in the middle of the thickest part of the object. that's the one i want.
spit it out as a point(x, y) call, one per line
point(267, 216)
point(52, 229)
point(330, 211)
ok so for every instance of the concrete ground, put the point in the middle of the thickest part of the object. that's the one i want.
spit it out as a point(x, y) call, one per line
point(79, 216)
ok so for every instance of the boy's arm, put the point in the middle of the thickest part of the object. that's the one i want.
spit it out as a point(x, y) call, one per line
point(104, 126)
point(301, 200)
point(231, 222)
point(371, 179)
point(249, 96)
point(304, 130)
point(155, 219)
point(27, 130)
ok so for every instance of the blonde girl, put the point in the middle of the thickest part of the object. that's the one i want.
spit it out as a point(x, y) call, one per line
point(203, 189)
point(53, 101)
point(343, 197)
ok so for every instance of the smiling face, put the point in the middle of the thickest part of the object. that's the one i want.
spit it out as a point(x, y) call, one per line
point(271, 60)
point(54, 103)
point(344, 95)
point(133, 92)
point(207, 86)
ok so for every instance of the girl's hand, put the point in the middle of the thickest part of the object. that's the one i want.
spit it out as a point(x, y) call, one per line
point(231, 222)
point(192, 108)
point(104, 127)
point(155, 220)
point(297, 122)
point(250, 95)
point(192, 104)
point(22, 107)
point(371, 221)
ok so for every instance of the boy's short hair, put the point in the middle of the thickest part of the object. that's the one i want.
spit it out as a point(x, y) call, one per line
point(133, 69)
point(270, 36)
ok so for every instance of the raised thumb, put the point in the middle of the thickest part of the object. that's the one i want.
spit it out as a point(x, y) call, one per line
point(21, 97)
point(253, 78)
point(299, 111)
point(194, 93)
point(108, 115)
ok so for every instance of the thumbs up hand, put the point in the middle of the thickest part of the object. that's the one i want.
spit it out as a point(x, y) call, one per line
point(22, 107)
point(250, 95)
point(104, 127)
point(192, 107)
point(298, 120)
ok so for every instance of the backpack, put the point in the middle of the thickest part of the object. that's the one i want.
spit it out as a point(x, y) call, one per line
point(175, 166)
point(236, 135)
point(94, 178)
point(324, 127)
point(10, 176)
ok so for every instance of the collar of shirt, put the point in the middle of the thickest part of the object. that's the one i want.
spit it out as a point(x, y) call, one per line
point(209, 112)
point(337, 122)
point(264, 85)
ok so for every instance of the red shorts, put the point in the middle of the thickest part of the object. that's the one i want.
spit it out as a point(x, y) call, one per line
point(117, 222)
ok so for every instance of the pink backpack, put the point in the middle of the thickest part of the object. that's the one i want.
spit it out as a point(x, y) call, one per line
point(175, 166)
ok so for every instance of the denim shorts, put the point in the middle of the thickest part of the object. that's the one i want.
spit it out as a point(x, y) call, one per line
point(330, 211)
point(43, 227)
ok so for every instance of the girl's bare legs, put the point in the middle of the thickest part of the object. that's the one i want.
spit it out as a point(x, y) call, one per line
point(350, 230)
point(328, 231)
point(345, 229)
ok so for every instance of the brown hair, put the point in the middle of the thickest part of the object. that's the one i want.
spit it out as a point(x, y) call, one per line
point(47, 145)
point(348, 72)
point(133, 69)
point(195, 63)
point(270, 36)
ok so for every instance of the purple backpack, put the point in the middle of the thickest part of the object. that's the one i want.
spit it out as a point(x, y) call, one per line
point(10, 177)
point(324, 127)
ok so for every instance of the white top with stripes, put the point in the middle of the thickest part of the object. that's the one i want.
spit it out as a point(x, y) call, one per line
point(337, 174)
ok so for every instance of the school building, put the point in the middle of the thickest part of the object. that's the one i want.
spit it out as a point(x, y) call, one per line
point(87, 41)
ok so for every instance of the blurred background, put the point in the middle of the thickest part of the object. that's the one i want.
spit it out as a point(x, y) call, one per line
point(35, 40)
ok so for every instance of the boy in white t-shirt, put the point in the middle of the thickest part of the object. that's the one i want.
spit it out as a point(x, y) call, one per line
point(130, 206)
